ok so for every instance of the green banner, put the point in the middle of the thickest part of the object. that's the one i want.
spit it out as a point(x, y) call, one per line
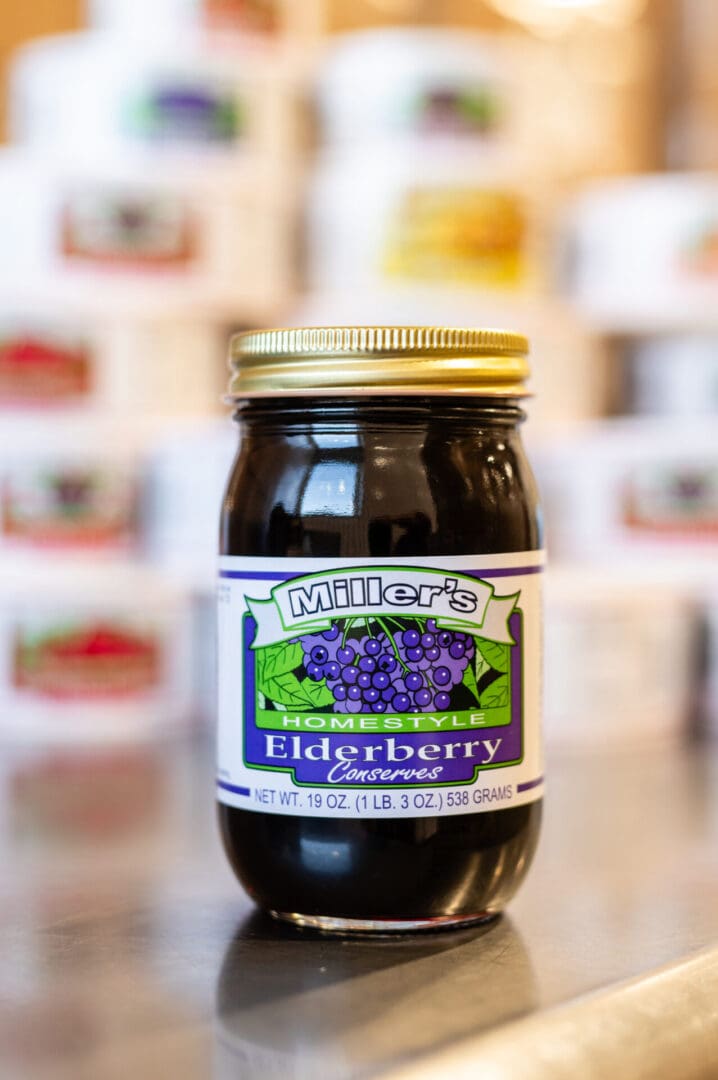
point(369, 724)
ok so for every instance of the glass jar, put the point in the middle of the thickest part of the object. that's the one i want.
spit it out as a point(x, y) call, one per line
point(380, 763)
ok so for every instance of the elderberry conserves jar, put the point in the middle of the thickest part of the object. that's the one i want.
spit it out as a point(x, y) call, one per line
point(380, 762)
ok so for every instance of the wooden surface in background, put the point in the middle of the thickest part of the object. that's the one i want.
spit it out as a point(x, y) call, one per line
point(26, 19)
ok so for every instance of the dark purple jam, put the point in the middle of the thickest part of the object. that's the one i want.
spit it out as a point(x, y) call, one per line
point(423, 476)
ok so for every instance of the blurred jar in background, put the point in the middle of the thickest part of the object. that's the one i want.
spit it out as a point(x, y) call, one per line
point(247, 17)
point(144, 240)
point(643, 252)
point(402, 214)
point(674, 375)
point(423, 83)
point(421, 179)
point(91, 654)
point(75, 488)
point(173, 98)
point(186, 477)
point(620, 663)
point(99, 363)
point(571, 104)
point(625, 489)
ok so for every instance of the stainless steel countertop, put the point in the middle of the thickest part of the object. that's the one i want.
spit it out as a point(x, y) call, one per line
point(129, 950)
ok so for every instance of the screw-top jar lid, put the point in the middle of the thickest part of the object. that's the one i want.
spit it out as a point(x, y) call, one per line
point(362, 360)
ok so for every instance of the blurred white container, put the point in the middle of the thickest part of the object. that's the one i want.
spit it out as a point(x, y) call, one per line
point(675, 376)
point(120, 235)
point(643, 252)
point(187, 478)
point(252, 19)
point(204, 655)
point(70, 486)
point(54, 361)
point(90, 653)
point(532, 92)
point(569, 366)
point(135, 15)
point(634, 489)
point(408, 212)
point(84, 95)
point(429, 82)
point(620, 659)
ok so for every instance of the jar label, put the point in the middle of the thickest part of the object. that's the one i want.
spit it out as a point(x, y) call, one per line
point(454, 108)
point(186, 111)
point(128, 228)
point(84, 659)
point(459, 234)
point(672, 501)
point(393, 688)
point(69, 507)
point(40, 370)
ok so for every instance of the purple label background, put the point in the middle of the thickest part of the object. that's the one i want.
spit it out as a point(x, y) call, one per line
point(453, 771)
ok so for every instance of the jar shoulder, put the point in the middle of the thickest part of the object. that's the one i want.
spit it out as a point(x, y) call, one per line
point(417, 492)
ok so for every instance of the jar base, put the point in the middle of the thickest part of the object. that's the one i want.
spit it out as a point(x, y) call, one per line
point(330, 924)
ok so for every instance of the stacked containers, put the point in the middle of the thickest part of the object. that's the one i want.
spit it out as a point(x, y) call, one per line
point(427, 197)
point(148, 209)
point(637, 495)
point(431, 195)
point(419, 179)
point(641, 252)
point(261, 19)
point(94, 645)
point(621, 647)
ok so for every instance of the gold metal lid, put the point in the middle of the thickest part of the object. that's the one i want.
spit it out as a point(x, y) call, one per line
point(364, 360)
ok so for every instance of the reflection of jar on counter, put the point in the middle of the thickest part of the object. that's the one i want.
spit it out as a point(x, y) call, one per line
point(290, 1005)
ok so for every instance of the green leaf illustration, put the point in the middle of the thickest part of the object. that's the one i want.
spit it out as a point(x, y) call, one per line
point(497, 695)
point(474, 670)
point(275, 667)
point(275, 660)
point(287, 692)
point(469, 679)
point(497, 656)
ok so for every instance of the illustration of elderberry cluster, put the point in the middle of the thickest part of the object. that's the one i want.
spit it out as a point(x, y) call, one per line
point(406, 671)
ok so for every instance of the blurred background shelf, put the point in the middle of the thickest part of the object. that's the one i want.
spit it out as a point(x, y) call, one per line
point(177, 170)
point(185, 169)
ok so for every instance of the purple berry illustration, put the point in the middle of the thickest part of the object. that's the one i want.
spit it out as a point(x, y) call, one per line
point(382, 665)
